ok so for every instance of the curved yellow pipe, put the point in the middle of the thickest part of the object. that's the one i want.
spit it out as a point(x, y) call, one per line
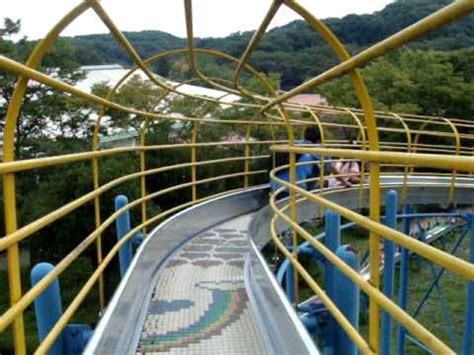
point(364, 146)
point(406, 169)
point(9, 198)
point(364, 99)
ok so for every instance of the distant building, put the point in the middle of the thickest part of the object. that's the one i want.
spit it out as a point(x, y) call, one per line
point(123, 139)
point(112, 73)
point(309, 99)
point(233, 137)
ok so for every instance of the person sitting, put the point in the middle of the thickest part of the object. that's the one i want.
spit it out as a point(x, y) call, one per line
point(350, 170)
point(304, 171)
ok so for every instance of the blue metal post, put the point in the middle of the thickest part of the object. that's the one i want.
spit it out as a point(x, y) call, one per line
point(48, 308)
point(122, 223)
point(333, 241)
point(469, 326)
point(391, 204)
point(403, 293)
point(347, 300)
point(290, 284)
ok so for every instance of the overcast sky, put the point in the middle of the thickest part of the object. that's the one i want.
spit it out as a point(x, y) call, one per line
point(214, 18)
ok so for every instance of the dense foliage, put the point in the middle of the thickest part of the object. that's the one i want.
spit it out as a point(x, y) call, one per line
point(294, 50)
point(415, 81)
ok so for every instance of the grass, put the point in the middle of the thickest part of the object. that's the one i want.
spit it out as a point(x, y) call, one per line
point(452, 292)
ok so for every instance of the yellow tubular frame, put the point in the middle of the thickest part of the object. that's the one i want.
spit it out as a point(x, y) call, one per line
point(323, 140)
point(412, 325)
point(37, 225)
point(364, 99)
point(406, 169)
point(28, 298)
point(273, 112)
point(143, 132)
point(364, 146)
point(13, 256)
point(256, 38)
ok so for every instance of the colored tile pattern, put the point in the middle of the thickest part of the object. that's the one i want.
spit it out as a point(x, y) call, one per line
point(199, 304)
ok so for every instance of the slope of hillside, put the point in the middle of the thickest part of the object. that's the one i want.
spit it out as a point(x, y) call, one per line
point(293, 50)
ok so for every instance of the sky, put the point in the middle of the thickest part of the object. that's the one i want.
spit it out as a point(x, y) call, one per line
point(212, 18)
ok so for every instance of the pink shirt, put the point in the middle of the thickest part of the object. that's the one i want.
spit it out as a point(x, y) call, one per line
point(345, 167)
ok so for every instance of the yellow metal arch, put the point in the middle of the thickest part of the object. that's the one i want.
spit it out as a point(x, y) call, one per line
point(273, 112)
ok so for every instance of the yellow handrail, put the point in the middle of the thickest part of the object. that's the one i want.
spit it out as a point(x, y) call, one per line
point(35, 226)
point(36, 290)
point(413, 326)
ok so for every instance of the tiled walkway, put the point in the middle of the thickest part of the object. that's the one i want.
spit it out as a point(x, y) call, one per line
point(199, 304)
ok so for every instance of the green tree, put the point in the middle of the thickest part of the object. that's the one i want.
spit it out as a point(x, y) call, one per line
point(439, 90)
point(294, 50)
point(137, 93)
point(412, 81)
point(45, 113)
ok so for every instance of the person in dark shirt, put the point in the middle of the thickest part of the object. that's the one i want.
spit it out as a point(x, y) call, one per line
point(305, 171)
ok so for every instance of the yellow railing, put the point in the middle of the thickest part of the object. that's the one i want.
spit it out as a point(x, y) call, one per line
point(280, 120)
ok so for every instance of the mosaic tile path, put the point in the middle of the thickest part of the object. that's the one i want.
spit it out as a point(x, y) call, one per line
point(199, 304)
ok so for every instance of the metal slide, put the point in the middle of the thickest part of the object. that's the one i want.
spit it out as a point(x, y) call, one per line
point(199, 283)
point(196, 285)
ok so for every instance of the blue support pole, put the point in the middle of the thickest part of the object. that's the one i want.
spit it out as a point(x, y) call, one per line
point(48, 308)
point(290, 284)
point(391, 204)
point(469, 325)
point(305, 248)
point(333, 241)
point(347, 300)
point(122, 224)
point(403, 293)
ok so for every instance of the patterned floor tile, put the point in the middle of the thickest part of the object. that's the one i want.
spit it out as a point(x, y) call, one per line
point(199, 305)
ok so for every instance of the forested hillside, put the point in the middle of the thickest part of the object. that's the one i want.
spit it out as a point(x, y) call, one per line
point(293, 50)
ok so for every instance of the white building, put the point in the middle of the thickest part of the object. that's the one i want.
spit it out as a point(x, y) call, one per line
point(113, 73)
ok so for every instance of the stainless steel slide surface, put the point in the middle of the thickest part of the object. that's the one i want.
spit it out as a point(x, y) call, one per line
point(199, 283)
point(185, 291)
point(199, 303)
